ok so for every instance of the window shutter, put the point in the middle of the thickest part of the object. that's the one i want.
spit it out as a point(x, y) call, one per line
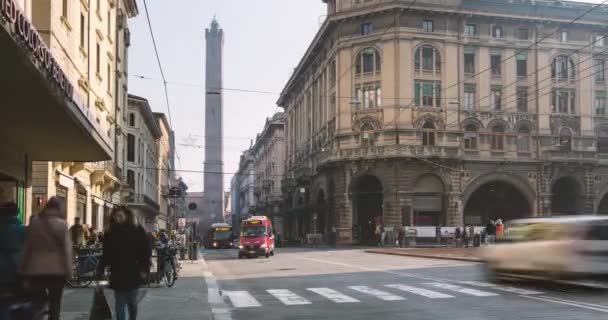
point(417, 93)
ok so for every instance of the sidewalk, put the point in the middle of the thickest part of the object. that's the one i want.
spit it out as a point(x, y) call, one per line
point(459, 254)
point(186, 300)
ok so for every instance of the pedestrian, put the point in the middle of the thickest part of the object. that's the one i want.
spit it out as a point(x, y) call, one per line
point(78, 233)
point(500, 229)
point(128, 254)
point(490, 232)
point(378, 234)
point(12, 240)
point(47, 256)
point(93, 239)
point(465, 236)
point(400, 235)
point(457, 235)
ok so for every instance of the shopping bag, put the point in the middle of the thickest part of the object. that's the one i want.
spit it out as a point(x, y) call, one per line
point(101, 308)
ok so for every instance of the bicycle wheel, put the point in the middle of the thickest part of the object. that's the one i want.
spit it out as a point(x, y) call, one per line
point(169, 278)
point(75, 280)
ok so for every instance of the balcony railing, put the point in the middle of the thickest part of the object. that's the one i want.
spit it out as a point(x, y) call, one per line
point(108, 166)
point(142, 199)
point(391, 151)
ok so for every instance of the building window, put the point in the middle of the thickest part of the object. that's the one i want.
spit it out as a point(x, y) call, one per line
point(470, 30)
point(427, 58)
point(521, 34)
point(600, 70)
point(562, 68)
point(600, 103)
point(522, 65)
point(565, 140)
point(332, 74)
point(367, 135)
point(131, 178)
point(470, 95)
point(65, 9)
point(130, 147)
point(496, 98)
point(428, 134)
point(563, 36)
point(495, 61)
point(469, 63)
point(367, 28)
point(82, 31)
point(98, 60)
point(109, 23)
point(131, 119)
point(498, 138)
point(368, 60)
point(427, 93)
point(369, 96)
point(470, 137)
point(563, 101)
point(522, 99)
point(523, 139)
point(108, 80)
point(600, 40)
point(427, 26)
point(497, 32)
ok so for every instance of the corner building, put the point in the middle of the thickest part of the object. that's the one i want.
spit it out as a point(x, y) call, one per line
point(446, 113)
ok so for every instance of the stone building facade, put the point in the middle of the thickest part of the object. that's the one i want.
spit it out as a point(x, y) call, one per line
point(143, 168)
point(446, 113)
point(268, 154)
point(89, 40)
point(166, 172)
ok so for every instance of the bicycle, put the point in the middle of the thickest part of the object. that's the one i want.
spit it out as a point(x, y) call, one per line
point(167, 269)
point(85, 267)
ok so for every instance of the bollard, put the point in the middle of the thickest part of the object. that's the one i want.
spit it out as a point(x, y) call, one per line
point(194, 251)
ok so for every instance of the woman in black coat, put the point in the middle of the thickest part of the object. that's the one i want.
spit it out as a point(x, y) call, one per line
point(127, 252)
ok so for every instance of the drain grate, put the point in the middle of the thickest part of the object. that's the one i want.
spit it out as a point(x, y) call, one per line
point(286, 269)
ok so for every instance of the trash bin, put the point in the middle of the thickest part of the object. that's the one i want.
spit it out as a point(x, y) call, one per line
point(477, 240)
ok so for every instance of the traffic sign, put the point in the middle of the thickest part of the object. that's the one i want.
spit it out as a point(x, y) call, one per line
point(175, 192)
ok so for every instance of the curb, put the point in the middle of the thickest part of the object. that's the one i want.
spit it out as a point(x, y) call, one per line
point(425, 256)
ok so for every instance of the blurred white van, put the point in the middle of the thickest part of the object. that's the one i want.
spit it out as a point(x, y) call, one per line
point(557, 248)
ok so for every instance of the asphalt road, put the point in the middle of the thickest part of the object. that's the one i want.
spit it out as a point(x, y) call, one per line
point(352, 284)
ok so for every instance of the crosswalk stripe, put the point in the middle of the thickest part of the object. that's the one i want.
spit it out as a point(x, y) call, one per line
point(377, 293)
point(287, 297)
point(420, 291)
point(500, 287)
point(455, 288)
point(333, 295)
point(242, 299)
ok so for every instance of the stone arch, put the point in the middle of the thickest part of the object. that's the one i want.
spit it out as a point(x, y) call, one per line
point(516, 181)
point(428, 202)
point(421, 120)
point(497, 196)
point(496, 122)
point(368, 205)
point(472, 121)
point(598, 203)
point(524, 123)
point(367, 120)
point(567, 195)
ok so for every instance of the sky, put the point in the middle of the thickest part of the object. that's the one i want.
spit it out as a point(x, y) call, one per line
point(264, 41)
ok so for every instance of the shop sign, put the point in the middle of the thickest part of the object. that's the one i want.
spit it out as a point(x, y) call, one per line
point(39, 189)
point(32, 41)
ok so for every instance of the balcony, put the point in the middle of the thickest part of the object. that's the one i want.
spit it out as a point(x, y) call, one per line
point(288, 184)
point(106, 173)
point(509, 117)
point(142, 200)
point(391, 151)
